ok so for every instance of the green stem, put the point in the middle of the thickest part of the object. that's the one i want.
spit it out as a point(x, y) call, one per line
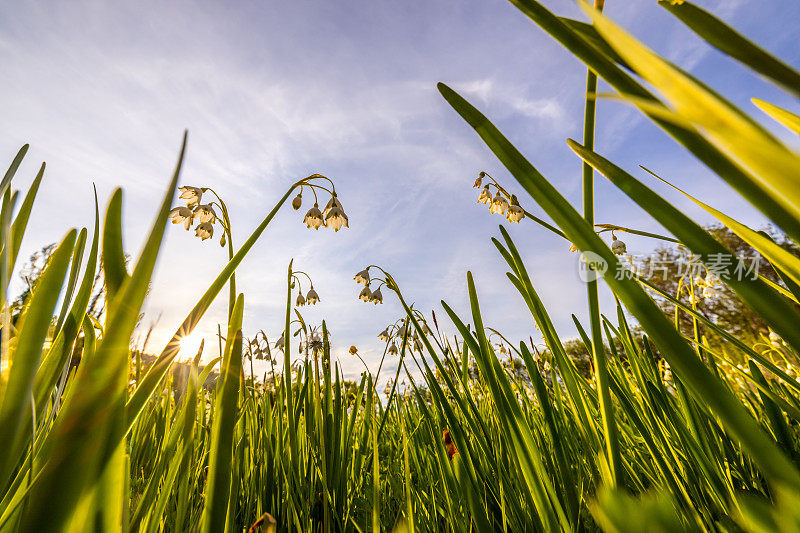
point(598, 348)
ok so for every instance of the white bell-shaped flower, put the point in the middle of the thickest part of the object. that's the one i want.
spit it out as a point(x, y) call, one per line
point(393, 349)
point(775, 339)
point(204, 213)
point(333, 202)
point(617, 246)
point(377, 297)
point(401, 331)
point(204, 231)
point(365, 294)
point(191, 195)
point(515, 214)
point(280, 343)
point(301, 301)
point(384, 335)
point(362, 277)
point(336, 219)
point(485, 197)
point(181, 215)
point(313, 218)
point(312, 297)
point(499, 204)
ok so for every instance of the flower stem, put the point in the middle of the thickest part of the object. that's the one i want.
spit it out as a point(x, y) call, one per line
point(598, 348)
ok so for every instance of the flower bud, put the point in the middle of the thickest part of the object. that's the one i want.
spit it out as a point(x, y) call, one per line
point(297, 202)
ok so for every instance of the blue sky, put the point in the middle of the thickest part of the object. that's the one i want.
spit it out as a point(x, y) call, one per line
point(273, 91)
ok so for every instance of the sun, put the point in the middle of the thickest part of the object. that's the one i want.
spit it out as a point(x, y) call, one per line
point(189, 345)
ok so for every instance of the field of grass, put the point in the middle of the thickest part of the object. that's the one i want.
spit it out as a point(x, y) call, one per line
point(671, 429)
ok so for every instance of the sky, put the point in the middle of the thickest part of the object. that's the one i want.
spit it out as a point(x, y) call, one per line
point(274, 91)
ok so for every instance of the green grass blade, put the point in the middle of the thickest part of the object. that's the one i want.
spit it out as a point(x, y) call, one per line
point(16, 381)
point(222, 434)
point(782, 116)
point(680, 356)
point(776, 310)
point(689, 137)
point(727, 40)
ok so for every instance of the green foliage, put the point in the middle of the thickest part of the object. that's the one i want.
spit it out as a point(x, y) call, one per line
point(685, 420)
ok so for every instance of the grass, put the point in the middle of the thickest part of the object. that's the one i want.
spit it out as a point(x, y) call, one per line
point(668, 432)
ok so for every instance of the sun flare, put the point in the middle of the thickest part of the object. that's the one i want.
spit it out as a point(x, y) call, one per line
point(190, 344)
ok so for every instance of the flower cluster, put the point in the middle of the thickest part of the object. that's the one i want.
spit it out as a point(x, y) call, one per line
point(402, 329)
point(196, 212)
point(333, 216)
point(502, 202)
point(261, 351)
point(311, 297)
point(366, 294)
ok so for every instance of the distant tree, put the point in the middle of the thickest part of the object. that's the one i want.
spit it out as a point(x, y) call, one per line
point(670, 264)
point(29, 274)
point(32, 270)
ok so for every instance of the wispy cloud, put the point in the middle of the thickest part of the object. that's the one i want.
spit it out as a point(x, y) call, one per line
point(274, 91)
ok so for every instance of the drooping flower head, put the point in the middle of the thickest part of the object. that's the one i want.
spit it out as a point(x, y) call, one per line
point(332, 203)
point(775, 339)
point(617, 246)
point(362, 277)
point(479, 179)
point(365, 294)
point(353, 350)
point(313, 218)
point(312, 297)
point(181, 215)
point(279, 344)
point(401, 331)
point(336, 219)
point(393, 349)
point(301, 301)
point(191, 195)
point(377, 297)
point(384, 335)
point(204, 213)
point(485, 197)
point(515, 212)
point(204, 231)
point(499, 204)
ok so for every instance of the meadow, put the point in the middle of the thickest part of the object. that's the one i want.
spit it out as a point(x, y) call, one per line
point(672, 422)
